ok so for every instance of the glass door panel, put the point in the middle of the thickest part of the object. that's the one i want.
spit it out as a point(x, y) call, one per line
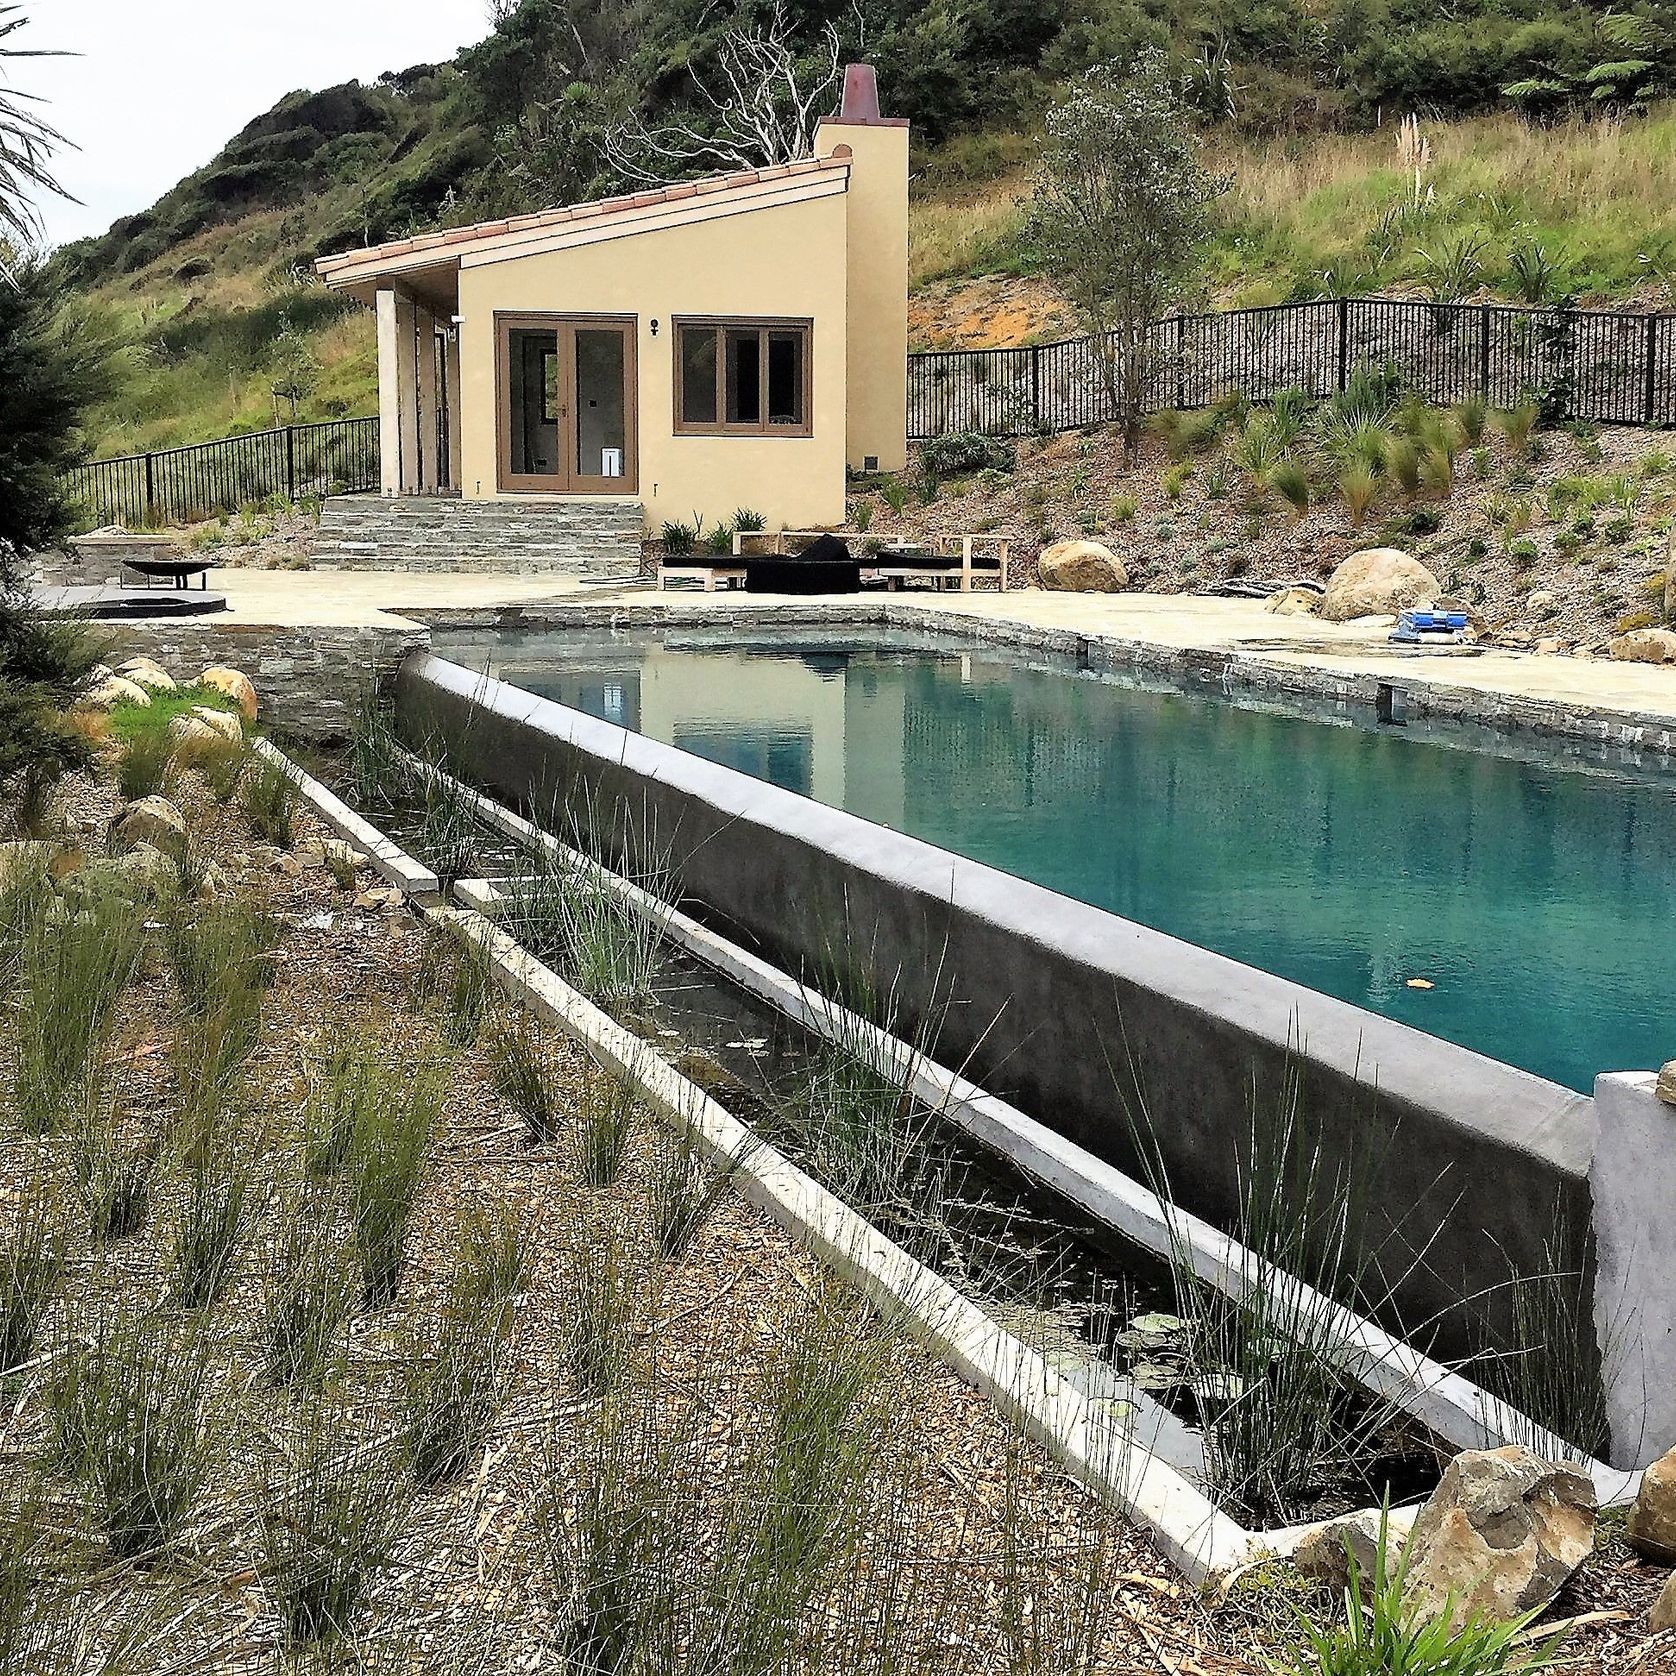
point(600, 448)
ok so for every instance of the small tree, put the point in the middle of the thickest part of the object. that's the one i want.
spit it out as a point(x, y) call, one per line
point(1120, 213)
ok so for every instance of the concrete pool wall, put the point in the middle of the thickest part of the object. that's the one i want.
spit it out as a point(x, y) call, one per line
point(1077, 1016)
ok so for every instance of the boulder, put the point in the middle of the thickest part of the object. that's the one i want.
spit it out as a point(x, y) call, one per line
point(1542, 603)
point(118, 689)
point(1663, 1615)
point(1082, 567)
point(144, 871)
point(1652, 1521)
point(1665, 1087)
point(235, 684)
point(190, 735)
point(223, 723)
point(152, 820)
point(1648, 645)
point(148, 676)
point(1328, 1549)
point(1377, 582)
point(1293, 602)
point(138, 663)
point(1501, 1535)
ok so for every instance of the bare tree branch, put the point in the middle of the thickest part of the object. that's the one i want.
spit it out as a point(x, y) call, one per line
point(759, 106)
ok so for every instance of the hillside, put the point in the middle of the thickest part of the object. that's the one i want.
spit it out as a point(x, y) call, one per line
point(209, 291)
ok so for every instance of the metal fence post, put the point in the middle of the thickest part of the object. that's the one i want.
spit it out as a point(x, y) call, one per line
point(1652, 366)
point(150, 490)
point(1036, 387)
point(1343, 342)
point(1484, 350)
point(290, 462)
point(1181, 361)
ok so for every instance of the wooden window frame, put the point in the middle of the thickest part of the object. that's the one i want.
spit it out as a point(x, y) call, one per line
point(762, 326)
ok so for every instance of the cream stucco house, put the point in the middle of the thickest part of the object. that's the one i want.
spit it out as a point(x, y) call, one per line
point(728, 342)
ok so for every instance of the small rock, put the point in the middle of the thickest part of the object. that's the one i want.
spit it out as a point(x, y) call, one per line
point(1293, 602)
point(337, 853)
point(1663, 1615)
point(151, 820)
point(212, 884)
point(222, 722)
point(1377, 582)
point(287, 865)
point(378, 897)
point(1648, 645)
point(1326, 1552)
point(1652, 1521)
point(1501, 1535)
point(139, 663)
point(190, 735)
point(1542, 603)
point(1665, 1087)
point(1082, 567)
point(118, 689)
point(1551, 644)
point(235, 684)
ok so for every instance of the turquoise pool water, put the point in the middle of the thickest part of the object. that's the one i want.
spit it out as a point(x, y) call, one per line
point(1535, 895)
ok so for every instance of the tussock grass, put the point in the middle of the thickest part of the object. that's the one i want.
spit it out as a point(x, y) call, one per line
point(147, 766)
point(268, 797)
point(603, 1292)
point(682, 1191)
point(214, 1217)
point(492, 1254)
point(127, 1408)
point(465, 976)
point(333, 1506)
point(308, 1294)
point(113, 1169)
point(518, 1070)
point(391, 1129)
point(72, 972)
point(607, 1115)
point(31, 1262)
point(452, 1378)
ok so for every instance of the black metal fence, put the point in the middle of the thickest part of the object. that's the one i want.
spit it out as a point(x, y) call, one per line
point(1612, 368)
point(205, 478)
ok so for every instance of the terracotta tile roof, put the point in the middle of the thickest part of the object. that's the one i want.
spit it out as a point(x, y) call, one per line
point(454, 239)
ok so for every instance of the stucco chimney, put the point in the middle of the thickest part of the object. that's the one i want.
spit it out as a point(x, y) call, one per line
point(877, 351)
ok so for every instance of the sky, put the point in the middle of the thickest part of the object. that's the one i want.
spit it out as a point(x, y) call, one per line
point(161, 85)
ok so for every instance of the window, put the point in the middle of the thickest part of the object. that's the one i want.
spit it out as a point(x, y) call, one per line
point(742, 378)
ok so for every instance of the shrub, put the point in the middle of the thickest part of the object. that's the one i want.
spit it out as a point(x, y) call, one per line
point(1523, 553)
point(1174, 479)
point(961, 452)
point(678, 539)
point(214, 1216)
point(1518, 425)
point(112, 1177)
point(1123, 508)
point(1358, 488)
point(268, 796)
point(1471, 416)
point(895, 493)
point(1402, 460)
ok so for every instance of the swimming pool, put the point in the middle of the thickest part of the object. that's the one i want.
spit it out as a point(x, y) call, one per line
point(1518, 902)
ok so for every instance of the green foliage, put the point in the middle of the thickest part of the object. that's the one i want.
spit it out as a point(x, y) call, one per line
point(962, 452)
point(308, 1293)
point(518, 1070)
point(1119, 216)
point(31, 1261)
point(1384, 1636)
point(268, 796)
point(1290, 481)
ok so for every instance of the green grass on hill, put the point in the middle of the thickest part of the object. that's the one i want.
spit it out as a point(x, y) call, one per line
point(129, 722)
point(1336, 212)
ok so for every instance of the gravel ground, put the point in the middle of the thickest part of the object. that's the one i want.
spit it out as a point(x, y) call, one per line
point(469, 1588)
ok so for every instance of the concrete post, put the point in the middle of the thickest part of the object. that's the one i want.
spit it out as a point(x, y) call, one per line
point(389, 394)
point(1633, 1182)
point(407, 390)
point(456, 480)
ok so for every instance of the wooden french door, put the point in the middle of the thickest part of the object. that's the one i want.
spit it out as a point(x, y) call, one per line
point(566, 404)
